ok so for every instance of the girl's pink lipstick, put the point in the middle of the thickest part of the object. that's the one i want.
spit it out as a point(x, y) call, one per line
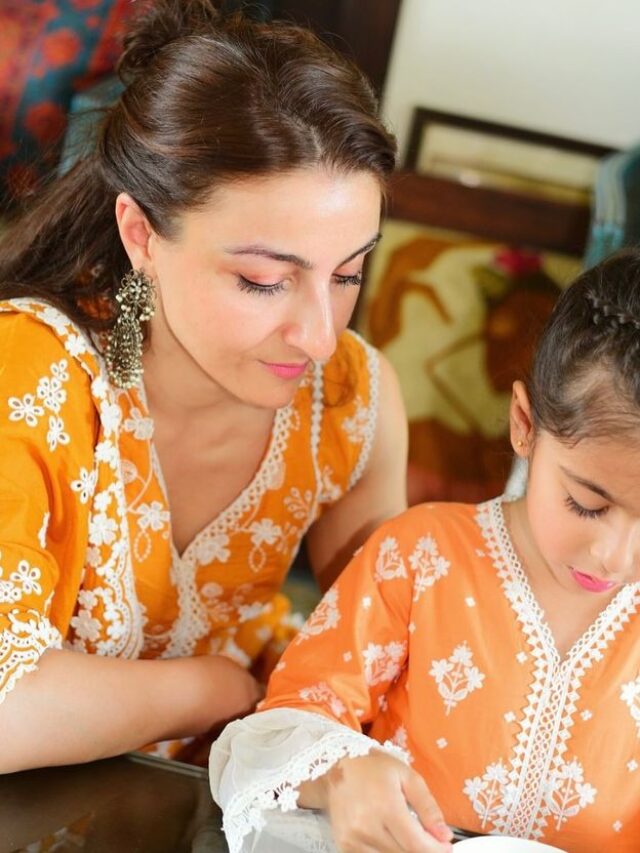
point(286, 371)
point(592, 584)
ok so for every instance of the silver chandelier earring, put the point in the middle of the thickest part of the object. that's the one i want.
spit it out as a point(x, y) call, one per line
point(136, 298)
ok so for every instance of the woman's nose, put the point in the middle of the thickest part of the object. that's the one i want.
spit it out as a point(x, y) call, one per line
point(312, 328)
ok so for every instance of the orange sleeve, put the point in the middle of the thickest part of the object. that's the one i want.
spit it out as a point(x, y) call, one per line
point(354, 645)
point(47, 428)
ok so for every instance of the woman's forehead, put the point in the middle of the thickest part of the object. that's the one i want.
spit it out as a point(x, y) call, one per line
point(288, 211)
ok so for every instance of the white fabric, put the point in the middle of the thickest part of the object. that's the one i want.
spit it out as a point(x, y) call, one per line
point(257, 764)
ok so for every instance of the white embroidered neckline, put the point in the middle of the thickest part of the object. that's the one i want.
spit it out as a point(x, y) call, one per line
point(247, 499)
point(540, 753)
point(530, 613)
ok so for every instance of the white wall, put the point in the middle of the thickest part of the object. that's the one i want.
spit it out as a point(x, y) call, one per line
point(570, 67)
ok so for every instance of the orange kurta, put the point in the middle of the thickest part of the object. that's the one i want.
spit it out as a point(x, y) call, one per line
point(86, 554)
point(432, 639)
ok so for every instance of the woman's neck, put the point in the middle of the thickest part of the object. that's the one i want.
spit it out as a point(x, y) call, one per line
point(179, 392)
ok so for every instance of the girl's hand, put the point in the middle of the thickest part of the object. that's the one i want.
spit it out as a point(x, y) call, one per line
point(368, 800)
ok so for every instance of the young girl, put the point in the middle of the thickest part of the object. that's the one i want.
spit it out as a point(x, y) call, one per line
point(497, 645)
point(152, 499)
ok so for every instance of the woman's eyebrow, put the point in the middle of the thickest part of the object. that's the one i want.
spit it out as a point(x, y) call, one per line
point(266, 252)
point(594, 487)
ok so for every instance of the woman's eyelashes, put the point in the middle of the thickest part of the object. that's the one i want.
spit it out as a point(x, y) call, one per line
point(248, 286)
point(582, 511)
point(355, 279)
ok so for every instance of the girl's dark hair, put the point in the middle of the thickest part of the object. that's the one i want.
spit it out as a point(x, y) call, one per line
point(208, 99)
point(585, 380)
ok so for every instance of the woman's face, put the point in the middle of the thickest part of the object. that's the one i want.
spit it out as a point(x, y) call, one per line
point(264, 278)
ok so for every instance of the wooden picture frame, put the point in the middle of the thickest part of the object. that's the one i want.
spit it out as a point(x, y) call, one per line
point(540, 220)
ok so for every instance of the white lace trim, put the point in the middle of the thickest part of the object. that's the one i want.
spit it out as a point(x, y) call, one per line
point(268, 473)
point(192, 623)
point(369, 430)
point(540, 755)
point(22, 646)
point(117, 594)
point(278, 789)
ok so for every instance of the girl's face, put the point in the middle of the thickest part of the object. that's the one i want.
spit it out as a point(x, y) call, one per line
point(583, 511)
point(264, 278)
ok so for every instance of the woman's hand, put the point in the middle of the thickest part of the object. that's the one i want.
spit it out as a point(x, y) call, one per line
point(368, 801)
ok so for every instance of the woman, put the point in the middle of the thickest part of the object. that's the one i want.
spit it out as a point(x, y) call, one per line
point(223, 222)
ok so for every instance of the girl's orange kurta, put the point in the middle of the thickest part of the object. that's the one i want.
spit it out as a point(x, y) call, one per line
point(86, 554)
point(432, 639)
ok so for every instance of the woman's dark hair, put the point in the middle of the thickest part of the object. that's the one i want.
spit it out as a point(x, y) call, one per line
point(585, 380)
point(208, 100)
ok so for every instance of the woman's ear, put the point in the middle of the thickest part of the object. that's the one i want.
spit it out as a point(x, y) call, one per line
point(135, 232)
point(520, 421)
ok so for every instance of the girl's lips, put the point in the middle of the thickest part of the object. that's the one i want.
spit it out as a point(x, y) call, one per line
point(592, 584)
point(286, 371)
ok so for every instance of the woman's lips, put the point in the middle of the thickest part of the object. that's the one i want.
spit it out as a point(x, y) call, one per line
point(590, 583)
point(286, 371)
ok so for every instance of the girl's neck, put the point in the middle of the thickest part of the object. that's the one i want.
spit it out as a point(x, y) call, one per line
point(567, 613)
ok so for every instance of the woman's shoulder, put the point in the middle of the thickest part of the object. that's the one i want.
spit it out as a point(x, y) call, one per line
point(34, 332)
point(353, 366)
point(40, 349)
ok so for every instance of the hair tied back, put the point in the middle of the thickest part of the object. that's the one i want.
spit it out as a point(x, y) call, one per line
point(159, 23)
point(605, 311)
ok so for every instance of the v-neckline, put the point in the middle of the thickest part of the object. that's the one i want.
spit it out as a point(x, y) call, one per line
point(249, 495)
point(523, 601)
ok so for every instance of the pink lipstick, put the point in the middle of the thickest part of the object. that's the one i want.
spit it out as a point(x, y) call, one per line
point(286, 371)
point(592, 584)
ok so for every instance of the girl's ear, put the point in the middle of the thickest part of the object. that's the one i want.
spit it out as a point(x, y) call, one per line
point(520, 421)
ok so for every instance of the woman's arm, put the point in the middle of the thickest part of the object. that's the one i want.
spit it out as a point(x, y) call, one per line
point(380, 493)
point(78, 707)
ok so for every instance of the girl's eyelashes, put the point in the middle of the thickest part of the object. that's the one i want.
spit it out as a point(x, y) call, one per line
point(582, 511)
point(249, 286)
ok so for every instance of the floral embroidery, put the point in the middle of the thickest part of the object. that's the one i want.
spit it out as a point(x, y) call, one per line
point(325, 617)
point(456, 676)
point(630, 695)
point(56, 434)
point(9, 592)
point(51, 392)
point(383, 663)
point(566, 793)
point(27, 576)
point(27, 636)
point(356, 426)
point(213, 548)
point(389, 562)
point(85, 485)
point(323, 694)
point(428, 565)
point(490, 794)
point(138, 424)
point(153, 516)
point(26, 409)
